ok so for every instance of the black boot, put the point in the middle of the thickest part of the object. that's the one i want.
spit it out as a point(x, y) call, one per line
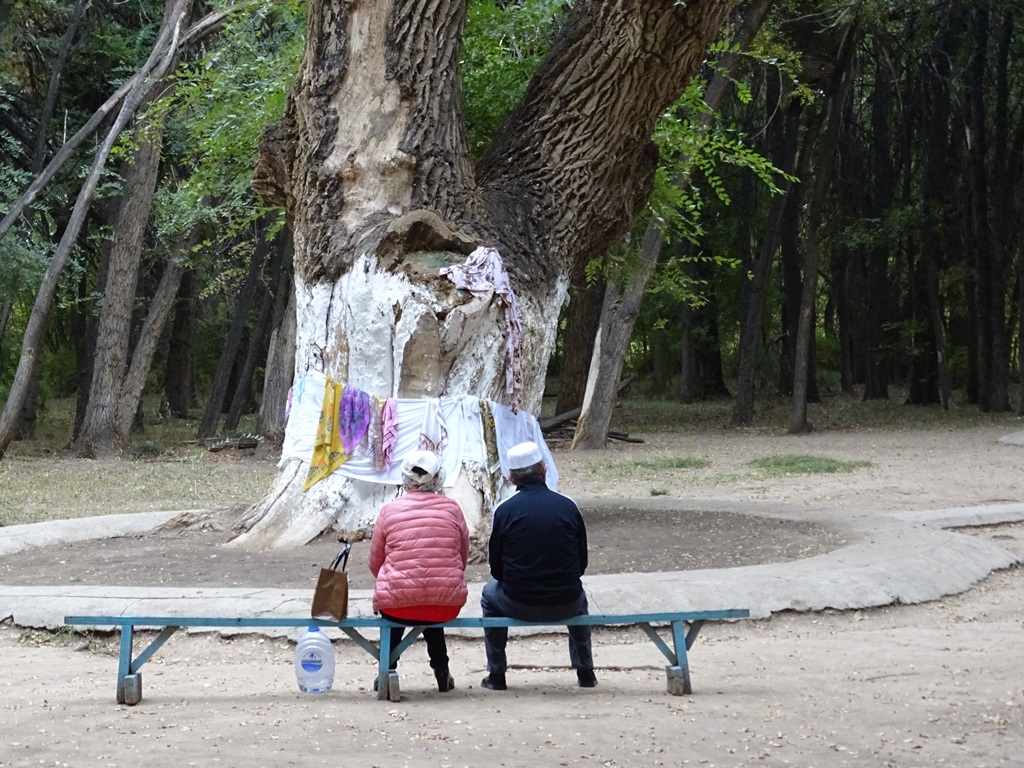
point(445, 681)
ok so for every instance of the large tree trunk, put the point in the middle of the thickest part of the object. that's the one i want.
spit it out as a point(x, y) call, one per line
point(371, 164)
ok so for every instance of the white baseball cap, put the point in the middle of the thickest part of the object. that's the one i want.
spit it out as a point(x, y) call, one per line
point(421, 467)
point(524, 455)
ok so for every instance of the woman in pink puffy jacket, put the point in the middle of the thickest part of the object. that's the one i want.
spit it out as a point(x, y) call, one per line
point(418, 555)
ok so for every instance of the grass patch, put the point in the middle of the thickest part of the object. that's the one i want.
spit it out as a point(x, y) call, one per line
point(776, 466)
point(673, 462)
point(35, 489)
point(659, 492)
point(655, 464)
point(840, 411)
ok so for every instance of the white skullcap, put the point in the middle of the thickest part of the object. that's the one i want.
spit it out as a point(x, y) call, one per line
point(524, 455)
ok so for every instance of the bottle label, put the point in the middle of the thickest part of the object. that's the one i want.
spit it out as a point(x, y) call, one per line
point(311, 662)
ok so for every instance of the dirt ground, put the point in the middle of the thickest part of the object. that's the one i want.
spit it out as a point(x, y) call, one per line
point(939, 684)
point(621, 540)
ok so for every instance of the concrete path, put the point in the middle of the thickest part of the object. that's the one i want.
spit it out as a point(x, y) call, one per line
point(893, 558)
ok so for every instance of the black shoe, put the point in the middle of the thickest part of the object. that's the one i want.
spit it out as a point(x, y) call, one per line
point(494, 682)
point(445, 682)
point(586, 678)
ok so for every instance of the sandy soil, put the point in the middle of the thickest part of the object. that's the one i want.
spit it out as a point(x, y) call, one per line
point(939, 684)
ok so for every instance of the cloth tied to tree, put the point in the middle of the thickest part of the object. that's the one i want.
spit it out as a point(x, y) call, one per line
point(484, 273)
point(344, 421)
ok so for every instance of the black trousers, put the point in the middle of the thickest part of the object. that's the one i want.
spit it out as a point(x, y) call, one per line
point(437, 648)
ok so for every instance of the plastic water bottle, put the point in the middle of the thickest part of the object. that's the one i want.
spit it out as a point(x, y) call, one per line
point(314, 662)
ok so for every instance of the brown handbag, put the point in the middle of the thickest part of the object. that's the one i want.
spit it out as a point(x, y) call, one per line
point(330, 599)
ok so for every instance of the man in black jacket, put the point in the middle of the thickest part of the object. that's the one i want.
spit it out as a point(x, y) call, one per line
point(537, 553)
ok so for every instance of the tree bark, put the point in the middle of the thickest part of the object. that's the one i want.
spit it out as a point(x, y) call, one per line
point(618, 315)
point(279, 372)
point(260, 337)
point(179, 388)
point(378, 203)
point(583, 317)
point(783, 141)
point(838, 93)
point(100, 434)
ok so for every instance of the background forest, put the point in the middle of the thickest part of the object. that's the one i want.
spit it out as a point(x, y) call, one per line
point(837, 210)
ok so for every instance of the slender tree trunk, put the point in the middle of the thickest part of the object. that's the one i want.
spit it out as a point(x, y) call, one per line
point(880, 195)
point(595, 418)
point(236, 330)
point(618, 315)
point(130, 400)
point(280, 370)
point(260, 337)
point(929, 382)
point(178, 371)
point(783, 141)
point(839, 92)
point(99, 434)
point(583, 317)
point(986, 281)
point(53, 88)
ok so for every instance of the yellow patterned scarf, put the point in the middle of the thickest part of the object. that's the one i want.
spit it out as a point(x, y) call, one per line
point(328, 454)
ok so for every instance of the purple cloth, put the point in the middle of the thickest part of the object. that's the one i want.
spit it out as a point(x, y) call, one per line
point(353, 417)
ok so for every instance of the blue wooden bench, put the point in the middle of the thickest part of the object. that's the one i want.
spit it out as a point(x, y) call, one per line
point(683, 627)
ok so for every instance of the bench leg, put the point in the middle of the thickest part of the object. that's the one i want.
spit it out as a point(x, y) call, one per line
point(678, 681)
point(383, 666)
point(124, 663)
point(131, 689)
point(394, 691)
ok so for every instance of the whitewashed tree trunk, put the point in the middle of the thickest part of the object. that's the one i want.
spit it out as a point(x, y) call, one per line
point(371, 165)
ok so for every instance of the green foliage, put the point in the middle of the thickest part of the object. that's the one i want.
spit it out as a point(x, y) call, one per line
point(220, 106)
point(502, 46)
point(773, 466)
